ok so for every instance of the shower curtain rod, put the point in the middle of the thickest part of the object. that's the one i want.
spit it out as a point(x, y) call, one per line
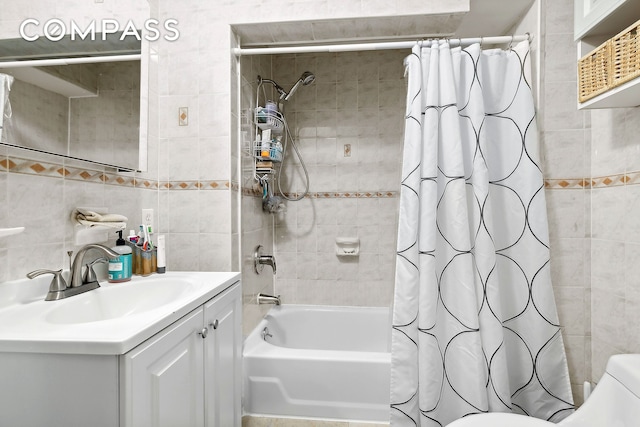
point(69, 61)
point(355, 47)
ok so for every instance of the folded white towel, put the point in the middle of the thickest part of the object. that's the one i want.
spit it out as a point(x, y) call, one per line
point(92, 219)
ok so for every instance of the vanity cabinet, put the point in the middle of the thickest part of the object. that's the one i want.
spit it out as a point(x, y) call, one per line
point(189, 374)
point(223, 360)
point(163, 379)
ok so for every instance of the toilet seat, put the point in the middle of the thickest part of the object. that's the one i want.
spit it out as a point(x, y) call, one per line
point(497, 419)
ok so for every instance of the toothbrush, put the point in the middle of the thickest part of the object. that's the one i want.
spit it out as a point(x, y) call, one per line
point(147, 239)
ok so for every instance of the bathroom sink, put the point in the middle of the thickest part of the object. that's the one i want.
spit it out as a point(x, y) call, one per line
point(119, 300)
point(112, 319)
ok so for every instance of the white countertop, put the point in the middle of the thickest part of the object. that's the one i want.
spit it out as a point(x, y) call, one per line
point(82, 324)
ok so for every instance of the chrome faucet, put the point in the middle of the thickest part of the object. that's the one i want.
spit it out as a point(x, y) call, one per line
point(268, 299)
point(58, 288)
point(77, 279)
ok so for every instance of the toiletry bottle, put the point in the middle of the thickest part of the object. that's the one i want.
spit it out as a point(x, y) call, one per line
point(136, 253)
point(140, 241)
point(261, 115)
point(120, 267)
point(162, 260)
point(266, 143)
point(271, 107)
point(276, 149)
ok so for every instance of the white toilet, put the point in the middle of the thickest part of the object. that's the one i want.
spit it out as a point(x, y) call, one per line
point(615, 402)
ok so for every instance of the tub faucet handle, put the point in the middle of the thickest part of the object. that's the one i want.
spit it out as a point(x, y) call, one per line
point(260, 260)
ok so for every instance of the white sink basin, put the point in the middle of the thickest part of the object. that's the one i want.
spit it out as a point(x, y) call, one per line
point(109, 320)
point(119, 300)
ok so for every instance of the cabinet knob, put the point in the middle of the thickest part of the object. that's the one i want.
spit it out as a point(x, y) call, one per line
point(204, 332)
point(214, 325)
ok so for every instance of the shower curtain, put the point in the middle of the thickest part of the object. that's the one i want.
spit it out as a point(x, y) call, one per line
point(475, 326)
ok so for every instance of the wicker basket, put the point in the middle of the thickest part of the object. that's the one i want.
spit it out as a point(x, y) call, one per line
point(625, 53)
point(594, 72)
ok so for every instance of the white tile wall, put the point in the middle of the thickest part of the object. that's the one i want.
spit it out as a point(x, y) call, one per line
point(257, 226)
point(566, 155)
point(356, 99)
point(594, 231)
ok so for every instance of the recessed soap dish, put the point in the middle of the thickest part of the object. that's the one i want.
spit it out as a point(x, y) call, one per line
point(347, 246)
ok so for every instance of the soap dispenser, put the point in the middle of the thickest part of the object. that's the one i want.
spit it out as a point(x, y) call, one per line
point(120, 267)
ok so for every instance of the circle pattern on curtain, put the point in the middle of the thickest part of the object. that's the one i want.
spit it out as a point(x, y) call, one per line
point(475, 326)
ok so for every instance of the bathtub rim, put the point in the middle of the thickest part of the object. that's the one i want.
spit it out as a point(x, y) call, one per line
point(321, 419)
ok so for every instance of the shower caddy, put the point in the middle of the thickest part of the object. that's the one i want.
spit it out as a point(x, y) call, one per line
point(266, 155)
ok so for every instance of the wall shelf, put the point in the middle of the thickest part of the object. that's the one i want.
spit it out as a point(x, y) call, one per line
point(625, 95)
point(597, 21)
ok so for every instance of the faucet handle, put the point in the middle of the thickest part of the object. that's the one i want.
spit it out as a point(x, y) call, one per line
point(89, 274)
point(57, 283)
point(260, 260)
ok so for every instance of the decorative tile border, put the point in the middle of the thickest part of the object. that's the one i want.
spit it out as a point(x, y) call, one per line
point(194, 185)
point(356, 195)
point(147, 184)
point(575, 183)
point(616, 180)
point(54, 170)
point(631, 178)
point(257, 192)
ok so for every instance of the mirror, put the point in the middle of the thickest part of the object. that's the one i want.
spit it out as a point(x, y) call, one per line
point(90, 111)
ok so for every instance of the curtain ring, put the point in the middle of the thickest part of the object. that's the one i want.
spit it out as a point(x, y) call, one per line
point(511, 42)
point(481, 41)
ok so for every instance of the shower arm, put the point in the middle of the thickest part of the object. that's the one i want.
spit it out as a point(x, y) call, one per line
point(280, 89)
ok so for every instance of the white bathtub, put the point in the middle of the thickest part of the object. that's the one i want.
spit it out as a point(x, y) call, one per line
point(321, 362)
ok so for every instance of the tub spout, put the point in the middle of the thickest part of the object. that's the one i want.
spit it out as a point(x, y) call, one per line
point(268, 299)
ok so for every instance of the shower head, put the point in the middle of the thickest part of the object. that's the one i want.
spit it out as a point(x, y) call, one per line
point(305, 79)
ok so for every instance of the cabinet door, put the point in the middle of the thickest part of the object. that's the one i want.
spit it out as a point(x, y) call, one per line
point(163, 378)
point(223, 359)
